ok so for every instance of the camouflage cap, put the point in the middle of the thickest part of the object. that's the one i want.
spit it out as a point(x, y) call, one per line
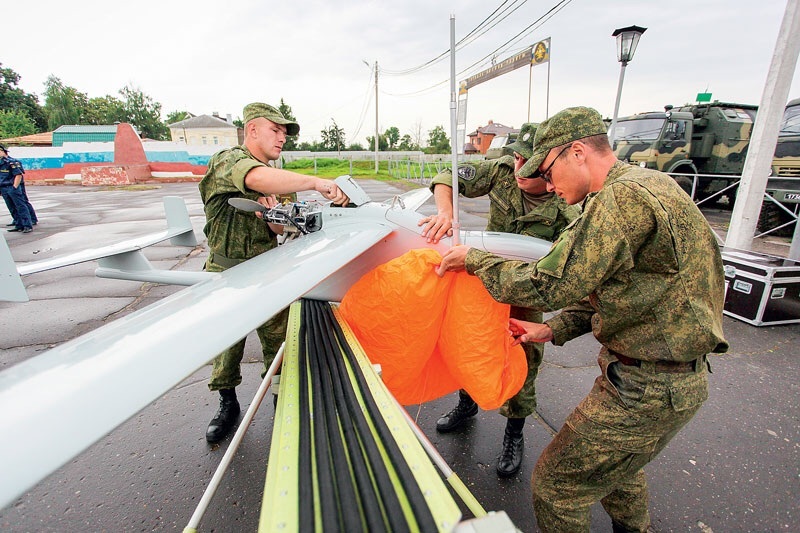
point(3, 148)
point(257, 109)
point(569, 125)
point(524, 143)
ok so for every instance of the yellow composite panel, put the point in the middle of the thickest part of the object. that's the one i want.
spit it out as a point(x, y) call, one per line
point(279, 509)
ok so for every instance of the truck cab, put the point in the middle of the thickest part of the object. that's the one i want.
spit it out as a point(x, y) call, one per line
point(704, 147)
point(786, 163)
point(784, 180)
point(703, 139)
point(657, 140)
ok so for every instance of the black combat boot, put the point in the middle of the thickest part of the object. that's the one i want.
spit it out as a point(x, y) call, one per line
point(466, 408)
point(226, 417)
point(511, 457)
point(616, 527)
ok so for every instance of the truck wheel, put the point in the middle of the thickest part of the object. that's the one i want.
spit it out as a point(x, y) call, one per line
point(731, 195)
point(685, 183)
point(772, 216)
point(702, 192)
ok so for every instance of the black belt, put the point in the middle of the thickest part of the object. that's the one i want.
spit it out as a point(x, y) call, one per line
point(675, 367)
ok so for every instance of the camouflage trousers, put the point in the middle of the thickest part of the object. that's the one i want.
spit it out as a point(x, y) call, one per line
point(628, 417)
point(523, 403)
point(227, 372)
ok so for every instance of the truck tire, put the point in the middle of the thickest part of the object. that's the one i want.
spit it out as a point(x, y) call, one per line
point(685, 182)
point(772, 216)
point(701, 192)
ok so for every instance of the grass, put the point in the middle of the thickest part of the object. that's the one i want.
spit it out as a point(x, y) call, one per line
point(333, 168)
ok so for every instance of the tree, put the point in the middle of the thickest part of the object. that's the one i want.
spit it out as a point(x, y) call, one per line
point(392, 136)
point(12, 98)
point(176, 116)
point(416, 134)
point(63, 104)
point(291, 140)
point(355, 147)
point(15, 123)
point(313, 146)
point(333, 138)
point(438, 143)
point(144, 113)
point(104, 110)
point(406, 144)
point(383, 144)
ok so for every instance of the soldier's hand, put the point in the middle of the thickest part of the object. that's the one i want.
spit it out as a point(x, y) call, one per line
point(267, 201)
point(332, 192)
point(453, 260)
point(436, 227)
point(524, 331)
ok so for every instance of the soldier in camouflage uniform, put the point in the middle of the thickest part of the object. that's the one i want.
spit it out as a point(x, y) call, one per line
point(235, 236)
point(641, 269)
point(517, 205)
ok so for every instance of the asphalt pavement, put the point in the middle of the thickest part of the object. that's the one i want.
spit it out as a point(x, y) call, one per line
point(735, 467)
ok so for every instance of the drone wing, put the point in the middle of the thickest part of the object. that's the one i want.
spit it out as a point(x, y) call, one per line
point(51, 394)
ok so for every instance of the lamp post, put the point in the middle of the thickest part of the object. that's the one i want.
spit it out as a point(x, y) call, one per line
point(627, 40)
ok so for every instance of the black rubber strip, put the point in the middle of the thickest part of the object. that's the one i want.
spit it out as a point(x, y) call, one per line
point(325, 415)
point(305, 480)
point(360, 442)
point(419, 506)
point(326, 497)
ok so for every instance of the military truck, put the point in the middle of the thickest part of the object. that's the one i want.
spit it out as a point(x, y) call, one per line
point(784, 181)
point(701, 144)
point(786, 163)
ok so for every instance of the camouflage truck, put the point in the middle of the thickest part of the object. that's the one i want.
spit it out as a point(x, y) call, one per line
point(697, 143)
point(784, 182)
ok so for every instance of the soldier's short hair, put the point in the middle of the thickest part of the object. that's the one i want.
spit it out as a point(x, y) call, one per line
point(598, 142)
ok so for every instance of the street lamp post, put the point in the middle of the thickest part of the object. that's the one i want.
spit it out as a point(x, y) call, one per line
point(627, 40)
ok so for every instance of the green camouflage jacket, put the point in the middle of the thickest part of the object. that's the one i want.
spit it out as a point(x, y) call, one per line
point(234, 234)
point(506, 211)
point(646, 259)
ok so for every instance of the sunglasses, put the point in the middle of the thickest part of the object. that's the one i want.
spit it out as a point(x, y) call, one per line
point(545, 174)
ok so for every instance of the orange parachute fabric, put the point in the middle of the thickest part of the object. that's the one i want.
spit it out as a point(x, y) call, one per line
point(432, 335)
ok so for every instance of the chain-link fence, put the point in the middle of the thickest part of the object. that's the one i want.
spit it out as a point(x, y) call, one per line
point(423, 169)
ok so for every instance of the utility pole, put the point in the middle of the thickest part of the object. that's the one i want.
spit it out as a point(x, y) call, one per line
point(376, 116)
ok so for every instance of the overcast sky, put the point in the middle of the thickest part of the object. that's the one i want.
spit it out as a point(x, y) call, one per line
point(204, 56)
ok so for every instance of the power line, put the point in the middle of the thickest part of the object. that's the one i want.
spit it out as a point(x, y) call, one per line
point(367, 100)
point(494, 17)
point(511, 42)
point(500, 13)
